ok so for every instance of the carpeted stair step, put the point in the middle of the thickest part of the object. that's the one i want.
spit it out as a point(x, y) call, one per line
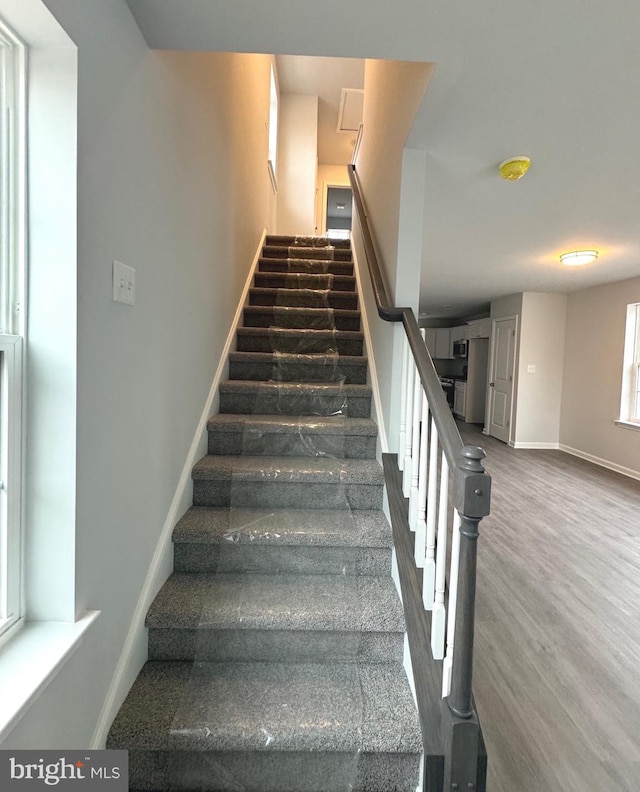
point(289, 367)
point(292, 541)
point(287, 482)
point(308, 253)
point(295, 398)
point(299, 317)
point(321, 436)
point(288, 240)
point(305, 265)
point(230, 617)
point(286, 367)
point(304, 298)
point(304, 280)
point(270, 727)
point(281, 339)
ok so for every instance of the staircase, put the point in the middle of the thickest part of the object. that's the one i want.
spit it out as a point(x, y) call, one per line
point(276, 646)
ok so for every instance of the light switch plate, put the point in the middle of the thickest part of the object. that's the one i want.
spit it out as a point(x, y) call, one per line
point(531, 368)
point(124, 283)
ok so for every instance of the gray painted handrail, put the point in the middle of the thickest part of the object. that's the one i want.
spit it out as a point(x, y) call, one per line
point(471, 498)
point(471, 488)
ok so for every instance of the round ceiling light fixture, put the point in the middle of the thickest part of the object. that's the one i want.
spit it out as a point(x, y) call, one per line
point(579, 257)
point(514, 168)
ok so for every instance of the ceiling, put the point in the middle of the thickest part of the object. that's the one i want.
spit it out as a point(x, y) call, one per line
point(324, 78)
point(553, 81)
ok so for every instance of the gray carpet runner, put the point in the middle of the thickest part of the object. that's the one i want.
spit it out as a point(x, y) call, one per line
point(275, 647)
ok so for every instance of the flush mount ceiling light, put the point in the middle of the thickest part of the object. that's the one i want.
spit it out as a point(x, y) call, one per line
point(514, 168)
point(578, 257)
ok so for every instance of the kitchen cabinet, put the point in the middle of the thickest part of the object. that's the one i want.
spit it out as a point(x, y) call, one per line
point(460, 333)
point(480, 328)
point(430, 340)
point(459, 398)
point(444, 345)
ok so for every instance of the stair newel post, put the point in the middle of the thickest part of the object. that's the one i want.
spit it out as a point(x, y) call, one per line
point(472, 497)
point(461, 729)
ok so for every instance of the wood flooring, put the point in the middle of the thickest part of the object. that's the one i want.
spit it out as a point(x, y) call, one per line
point(557, 648)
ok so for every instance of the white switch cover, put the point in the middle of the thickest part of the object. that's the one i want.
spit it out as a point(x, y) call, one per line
point(531, 368)
point(124, 283)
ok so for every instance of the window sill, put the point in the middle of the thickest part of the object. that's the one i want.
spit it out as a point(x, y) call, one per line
point(628, 425)
point(31, 660)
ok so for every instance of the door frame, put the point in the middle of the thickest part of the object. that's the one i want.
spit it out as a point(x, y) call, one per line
point(326, 186)
point(490, 390)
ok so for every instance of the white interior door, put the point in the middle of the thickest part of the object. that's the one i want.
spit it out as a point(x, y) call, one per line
point(501, 382)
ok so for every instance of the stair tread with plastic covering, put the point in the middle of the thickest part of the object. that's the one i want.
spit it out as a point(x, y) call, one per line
point(305, 280)
point(305, 265)
point(335, 436)
point(292, 367)
point(276, 646)
point(235, 616)
point(285, 482)
point(284, 339)
point(270, 727)
point(300, 317)
point(320, 541)
point(295, 398)
point(304, 298)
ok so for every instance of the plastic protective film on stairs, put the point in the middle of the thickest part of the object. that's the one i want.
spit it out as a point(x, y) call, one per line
point(291, 643)
point(279, 670)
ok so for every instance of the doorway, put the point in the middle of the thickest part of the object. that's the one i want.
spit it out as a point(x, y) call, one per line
point(337, 212)
point(501, 377)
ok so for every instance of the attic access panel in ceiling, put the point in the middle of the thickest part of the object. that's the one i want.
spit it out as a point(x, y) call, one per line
point(350, 112)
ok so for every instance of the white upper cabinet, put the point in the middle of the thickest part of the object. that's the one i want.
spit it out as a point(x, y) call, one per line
point(444, 345)
point(460, 333)
point(480, 328)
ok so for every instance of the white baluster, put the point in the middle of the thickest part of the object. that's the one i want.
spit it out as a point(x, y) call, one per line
point(403, 403)
point(447, 666)
point(421, 522)
point(439, 614)
point(406, 473)
point(429, 574)
point(415, 451)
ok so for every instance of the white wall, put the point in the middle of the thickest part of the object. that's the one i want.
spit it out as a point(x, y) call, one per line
point(393, 92)
point(172, 180)
point(297, 164)
point(593, 374)
point(542, 331)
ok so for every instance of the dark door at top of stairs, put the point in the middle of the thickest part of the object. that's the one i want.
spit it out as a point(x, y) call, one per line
point(276, 646)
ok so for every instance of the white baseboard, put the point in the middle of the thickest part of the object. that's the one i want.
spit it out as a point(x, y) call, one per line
point(134, 651)
point(373, 372)
point(553, 446)
point(605, 463)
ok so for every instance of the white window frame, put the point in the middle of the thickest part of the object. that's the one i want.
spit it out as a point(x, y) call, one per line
point(12, 326)
point(272, 126)
point(630, 394)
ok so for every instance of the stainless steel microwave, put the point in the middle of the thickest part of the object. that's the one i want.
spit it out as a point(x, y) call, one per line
point(460, 348)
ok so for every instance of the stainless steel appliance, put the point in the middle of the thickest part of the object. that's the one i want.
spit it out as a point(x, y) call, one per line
point(461, 348)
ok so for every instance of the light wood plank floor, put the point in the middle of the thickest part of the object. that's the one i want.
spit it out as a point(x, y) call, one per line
point(557, 652)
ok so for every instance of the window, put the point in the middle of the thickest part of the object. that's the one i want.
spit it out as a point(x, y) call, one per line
point(630, 399)
point(12, 322)
point(273, 129)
